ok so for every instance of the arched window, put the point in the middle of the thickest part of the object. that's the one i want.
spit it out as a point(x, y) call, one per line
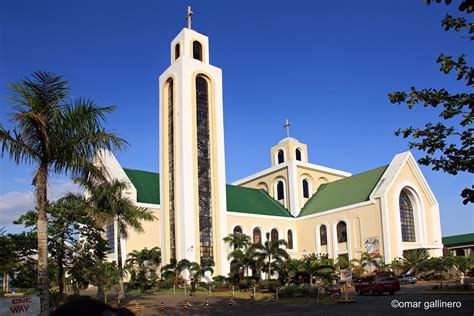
point(263, 186)
point(257, 236)
point(341, 232)
point(274, 235)
point(298, 154)
point(290, 239)
point(406, 218)
point(305, 188)
point(171, 157)
point(238, 230)
point(280, 156)
point(280, 191)
point(197, 50)
point(323, 236)
point(204, 168)
point(177, 51)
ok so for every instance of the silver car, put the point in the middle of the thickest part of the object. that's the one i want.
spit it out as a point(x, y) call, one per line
point(407, 279)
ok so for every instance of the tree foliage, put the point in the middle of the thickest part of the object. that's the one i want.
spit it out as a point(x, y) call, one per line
point(448, 144)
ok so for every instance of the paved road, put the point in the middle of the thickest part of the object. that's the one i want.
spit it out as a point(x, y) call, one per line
point(408, 303)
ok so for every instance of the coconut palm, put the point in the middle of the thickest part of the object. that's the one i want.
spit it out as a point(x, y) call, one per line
point(270, 253)
point(56, 136)
point(143, 263)
point(414, 259)
point(316, 266)
point(174, 268)
point(199, 270)
point(109, 205)
point(237, 240)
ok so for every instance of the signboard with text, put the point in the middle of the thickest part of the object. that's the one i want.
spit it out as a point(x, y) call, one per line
point(20, 305)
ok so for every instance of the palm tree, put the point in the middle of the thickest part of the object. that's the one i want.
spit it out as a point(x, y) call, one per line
point(109, 205)
point(237, 240)
point(144, 262)
point(199, 270)
point(270, 252)
point(175, 268)
point(316, 265)
point(55, 136)
point(414, 259)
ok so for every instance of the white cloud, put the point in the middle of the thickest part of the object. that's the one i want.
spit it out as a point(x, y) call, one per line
point(13, 204)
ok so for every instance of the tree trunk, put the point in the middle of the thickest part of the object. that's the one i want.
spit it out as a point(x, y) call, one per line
point(269, 266)
point(100, 294)
point(121, 293)
point(42, 229)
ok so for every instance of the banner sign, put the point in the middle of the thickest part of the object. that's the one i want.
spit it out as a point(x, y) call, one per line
point(372, 245)
point(20, 305)
point(345, 275)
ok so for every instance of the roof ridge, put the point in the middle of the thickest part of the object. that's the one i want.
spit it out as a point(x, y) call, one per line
point(131, 169)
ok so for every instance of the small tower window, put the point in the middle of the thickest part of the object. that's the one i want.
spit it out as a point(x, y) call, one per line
point(290, 239)
point(280, 156)
point(280, 191)
point(177, 51)
point(197, 50)
point(298, 154)
point(305, 188)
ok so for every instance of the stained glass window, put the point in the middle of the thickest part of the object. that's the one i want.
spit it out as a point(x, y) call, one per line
point(204, 168)
point(171, 168)
point(274, 235)
point(406, 218)
point(323, 236)
point(237, 230)
point(290, 239)
point(257, 236)
point(341, 232)
point(110, 234)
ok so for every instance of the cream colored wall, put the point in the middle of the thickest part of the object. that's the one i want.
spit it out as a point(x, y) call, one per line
point(270, 180)
point(427, 230)
point(289, 146)
point(316, 178)
point(149, 238)
point(266, 224)
point(370, 226)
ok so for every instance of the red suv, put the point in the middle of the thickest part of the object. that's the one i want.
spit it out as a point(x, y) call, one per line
point(378, 282)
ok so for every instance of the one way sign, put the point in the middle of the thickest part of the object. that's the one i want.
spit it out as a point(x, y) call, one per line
point(20, 306)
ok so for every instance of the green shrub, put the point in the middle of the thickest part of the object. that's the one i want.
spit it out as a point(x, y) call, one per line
point(270, 285)
point(298, 290)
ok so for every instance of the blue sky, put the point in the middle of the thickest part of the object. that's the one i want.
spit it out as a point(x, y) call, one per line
point(326, 65)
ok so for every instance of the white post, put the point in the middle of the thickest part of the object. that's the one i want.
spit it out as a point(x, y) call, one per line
point(184, 287)
point(254, 293)
point(174, 288)
point(233, 293)
point(209, 290)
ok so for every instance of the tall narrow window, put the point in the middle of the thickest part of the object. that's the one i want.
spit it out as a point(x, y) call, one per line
point(280, 191)
point(177, 51)
point(257, 236)
point(298, 154)
point(197, 50)
point(110, 234)
point(280, 156)
point(274, 235)
point(290, 239)
point(171, 169)
point(323, 235)
point(204, 168)
point(341, 229)
point(238, 230)
point(406, 218)
point(305, 188)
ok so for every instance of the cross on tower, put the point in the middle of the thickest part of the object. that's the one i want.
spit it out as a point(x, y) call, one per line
point(188, 16)
point(287, 127)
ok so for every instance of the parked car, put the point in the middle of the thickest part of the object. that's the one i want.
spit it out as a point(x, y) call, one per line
point(377, 283)
point(407, 278)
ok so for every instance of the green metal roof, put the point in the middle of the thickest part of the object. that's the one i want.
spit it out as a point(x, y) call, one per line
point(344, 192)
point(147, 185)
point(253, 201)
point(458, 239)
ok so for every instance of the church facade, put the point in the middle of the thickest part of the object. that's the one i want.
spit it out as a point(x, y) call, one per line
point(316, 209)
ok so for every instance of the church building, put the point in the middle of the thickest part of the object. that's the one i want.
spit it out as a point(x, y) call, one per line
point(316, 209)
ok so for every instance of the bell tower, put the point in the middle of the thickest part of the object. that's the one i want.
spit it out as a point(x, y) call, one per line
point(192, 163)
